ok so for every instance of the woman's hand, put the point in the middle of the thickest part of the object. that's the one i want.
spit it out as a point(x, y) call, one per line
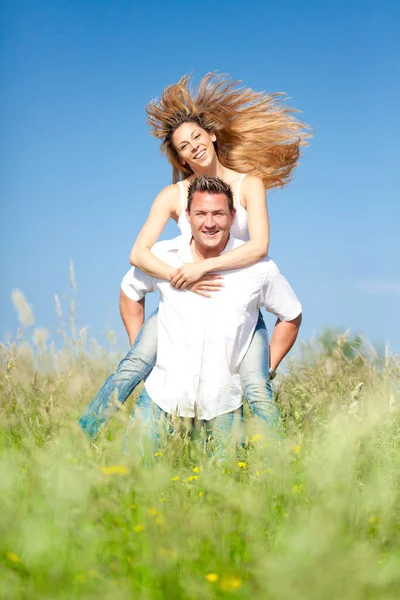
point(187, 274)
point(206, 285)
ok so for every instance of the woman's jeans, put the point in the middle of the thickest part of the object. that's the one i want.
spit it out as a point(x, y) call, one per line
point(141, 358)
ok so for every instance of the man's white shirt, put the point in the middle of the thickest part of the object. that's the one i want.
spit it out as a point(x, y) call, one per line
point(201, 341)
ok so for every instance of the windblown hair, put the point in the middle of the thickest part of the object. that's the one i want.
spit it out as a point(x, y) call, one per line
point(256, 132)
point(212, 185)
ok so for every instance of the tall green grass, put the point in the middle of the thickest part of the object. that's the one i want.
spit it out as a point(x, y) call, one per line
point(315, 516)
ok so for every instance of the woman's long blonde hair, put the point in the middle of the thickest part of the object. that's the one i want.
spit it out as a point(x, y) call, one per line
point(256, 133)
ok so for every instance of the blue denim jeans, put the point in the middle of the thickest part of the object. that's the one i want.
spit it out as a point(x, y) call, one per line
point(152, 424)
point(132, 369)
point(139, 361)
point(254, 376)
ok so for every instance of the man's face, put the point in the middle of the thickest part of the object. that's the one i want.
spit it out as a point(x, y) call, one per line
point(210, 220)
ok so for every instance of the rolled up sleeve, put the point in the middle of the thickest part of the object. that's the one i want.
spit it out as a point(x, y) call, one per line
point(278, 297)
point(136, 284)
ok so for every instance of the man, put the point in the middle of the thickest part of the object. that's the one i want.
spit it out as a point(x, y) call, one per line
point(201, 341)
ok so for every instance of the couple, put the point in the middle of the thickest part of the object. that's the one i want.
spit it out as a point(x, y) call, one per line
point(202, 341)
point(247, 142)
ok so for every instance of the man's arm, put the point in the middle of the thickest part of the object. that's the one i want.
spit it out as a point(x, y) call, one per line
point(132, 314)
point(283, 337)
point(280, 300)
point(134, 286)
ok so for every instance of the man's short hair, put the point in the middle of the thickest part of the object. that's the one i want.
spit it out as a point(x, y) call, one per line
point(212, 185)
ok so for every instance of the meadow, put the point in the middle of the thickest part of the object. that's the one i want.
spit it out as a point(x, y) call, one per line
point(315, 515)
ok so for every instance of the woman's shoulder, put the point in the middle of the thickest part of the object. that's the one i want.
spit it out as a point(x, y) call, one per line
point(234, 178)
point(252, 184)
point(251, 180)
point(168, 199)
point(169, 192)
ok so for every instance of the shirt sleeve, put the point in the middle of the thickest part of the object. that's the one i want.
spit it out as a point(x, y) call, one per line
point(278, 297)
point(136, 284)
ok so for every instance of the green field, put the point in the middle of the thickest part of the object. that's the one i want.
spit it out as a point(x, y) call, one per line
point(315, 516)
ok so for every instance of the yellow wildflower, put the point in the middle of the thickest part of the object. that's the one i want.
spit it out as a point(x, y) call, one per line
point(258, 473)
point(372, 520)
point(195, 469)
point(201, 493)
point(298, 488)
point(256, 437)
point(152, 512)
point(212, 577)
point(193, 478)
point(80, 577)
point(13, 557)
point(138, 528)
point(162, 499)
point(160, 520)
point(114, 470)
point(270, 471)
point(297, 449)
point(176, 478)
point(158, 453)
point(242, 464)
point(133, 506)
point(93, 572)
point(229, 584)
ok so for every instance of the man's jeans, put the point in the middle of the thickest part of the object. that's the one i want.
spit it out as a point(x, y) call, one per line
point(141, 358)
point(152, 424)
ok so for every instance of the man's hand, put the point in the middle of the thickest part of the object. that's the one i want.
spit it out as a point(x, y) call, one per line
point(187, 274)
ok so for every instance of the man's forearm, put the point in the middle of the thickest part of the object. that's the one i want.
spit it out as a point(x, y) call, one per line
point(132, 314)
point(283, 337)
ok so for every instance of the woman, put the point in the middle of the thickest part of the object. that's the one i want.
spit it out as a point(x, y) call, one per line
point(250, 140)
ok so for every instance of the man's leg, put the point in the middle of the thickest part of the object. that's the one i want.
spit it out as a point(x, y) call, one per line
point(255, 378)
point(132, 369)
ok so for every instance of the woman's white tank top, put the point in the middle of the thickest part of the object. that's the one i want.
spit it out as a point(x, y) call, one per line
point(239, 228)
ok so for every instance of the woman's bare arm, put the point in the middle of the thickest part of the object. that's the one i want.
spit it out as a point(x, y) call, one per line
point(163, 208)
point(247, 254)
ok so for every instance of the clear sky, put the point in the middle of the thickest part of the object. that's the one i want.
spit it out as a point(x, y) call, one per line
point(78, 170)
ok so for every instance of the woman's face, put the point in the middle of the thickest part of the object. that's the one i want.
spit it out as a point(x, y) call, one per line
point(194, 146)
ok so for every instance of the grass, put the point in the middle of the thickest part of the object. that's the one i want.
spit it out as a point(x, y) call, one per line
point(315, 516)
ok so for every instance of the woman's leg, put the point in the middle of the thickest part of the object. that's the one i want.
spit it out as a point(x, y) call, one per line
point(254, 375)
point(132, 369)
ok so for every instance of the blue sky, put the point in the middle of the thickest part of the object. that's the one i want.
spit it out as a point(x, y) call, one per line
point(79, 171)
